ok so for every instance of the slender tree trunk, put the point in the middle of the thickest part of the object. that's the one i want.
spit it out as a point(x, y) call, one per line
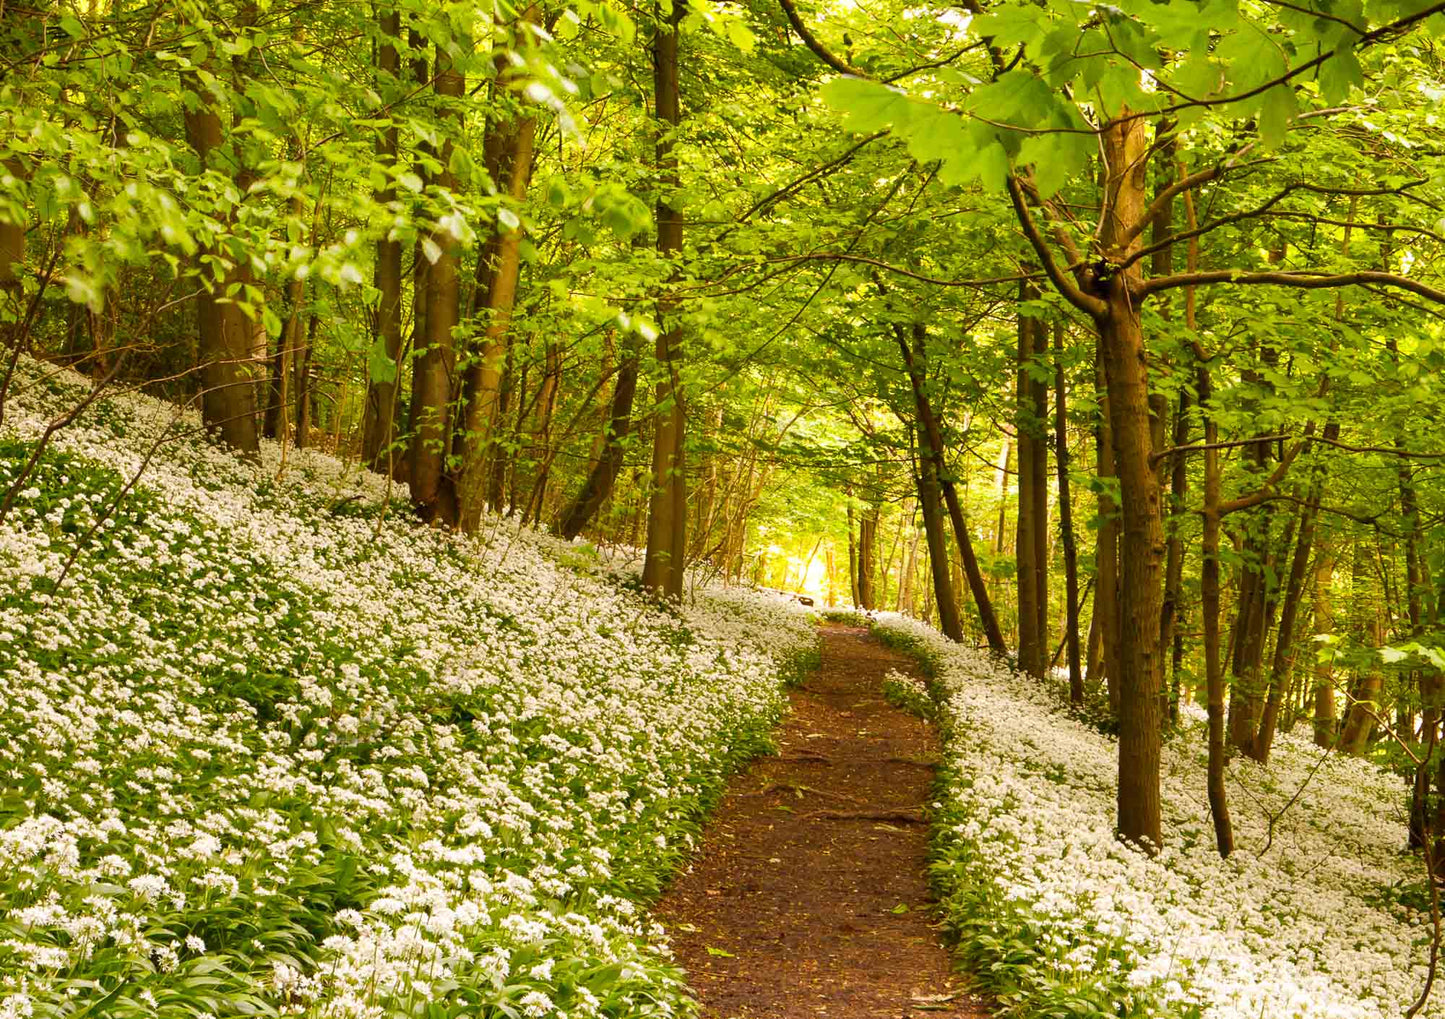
point(603, 475)
point(279, 391)
point(1066, 523)
point(1031, 640)
point(304, 390)
point(932, 443)
point(1005, 457)
point(379, 421)
point(868, 558)
point(509, 151)
point(1162, 264)
point(938, 558)
point(1288, 621)
point(1174, 549)
point(852, 561)
point(662, 571)
point(1324, 684)
point(1213, 669)
point(1366, 702)
point(910, 566)
point(1106, 547)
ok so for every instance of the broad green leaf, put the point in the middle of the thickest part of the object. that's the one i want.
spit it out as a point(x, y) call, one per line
point(379, 365)
point(869, 105)
point(1339, 74)
point(1275, 115)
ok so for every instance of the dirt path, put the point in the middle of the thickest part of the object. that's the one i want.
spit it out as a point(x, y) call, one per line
point(808, 897)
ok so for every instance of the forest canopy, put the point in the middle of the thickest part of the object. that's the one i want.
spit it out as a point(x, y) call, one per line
point(1104, 337)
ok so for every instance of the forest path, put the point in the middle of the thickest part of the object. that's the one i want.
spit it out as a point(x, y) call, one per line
point(808, 897)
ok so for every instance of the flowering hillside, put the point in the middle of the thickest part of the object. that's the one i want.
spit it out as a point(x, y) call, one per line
point(1328, 918)
point(271, 748)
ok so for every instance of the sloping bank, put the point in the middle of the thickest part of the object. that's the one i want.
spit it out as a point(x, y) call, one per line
point(271, 750)
point(1057, 918)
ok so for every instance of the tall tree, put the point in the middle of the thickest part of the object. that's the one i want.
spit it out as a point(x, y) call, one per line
point(662, 570)
point(228, 396)
point(433, 490)
point(379, 424)
point(508, 152)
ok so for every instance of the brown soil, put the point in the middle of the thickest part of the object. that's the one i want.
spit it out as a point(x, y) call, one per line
point(795, 905)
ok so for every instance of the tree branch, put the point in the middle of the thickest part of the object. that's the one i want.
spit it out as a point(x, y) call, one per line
point(819, 50)
point(1068, 288)
point(1201, 446)
point(1302, 280)
point(1173, 191)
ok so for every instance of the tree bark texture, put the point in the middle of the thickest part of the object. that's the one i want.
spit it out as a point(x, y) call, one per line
point(662, 570)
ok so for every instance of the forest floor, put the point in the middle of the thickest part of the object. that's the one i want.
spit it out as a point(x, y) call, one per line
point(808, 897)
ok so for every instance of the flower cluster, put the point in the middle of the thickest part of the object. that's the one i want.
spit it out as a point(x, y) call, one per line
point(269, 747)
point(1319, 913)
point(910, 693)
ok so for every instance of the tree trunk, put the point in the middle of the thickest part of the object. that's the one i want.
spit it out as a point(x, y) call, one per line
point(1027, 553)
point(852, 560)
point(1000, 477)
point(1365, 700)
point(1324, 683)
point(938, 558)
point(910, 566)
point(1106, 542)
point(1066, 523)
point(303, 387)
point(868, 558)
point(1294, 589)
point(508, 155)
point(662, 570)
point(1162, 264)
point(279, 391)
point(228, 397)
point(379, 421)
point(603, 475)
point(432, 489)
point(1135, 659)
point(932, 443)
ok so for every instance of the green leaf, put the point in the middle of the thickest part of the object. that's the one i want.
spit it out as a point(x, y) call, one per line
point(1021, 25)
point(1339, 74)
point(460, 162)
point(719, 951)
point(1275, 115)
point(72, 27)
point(937, 135)
point(869, 105)
point(379, 365)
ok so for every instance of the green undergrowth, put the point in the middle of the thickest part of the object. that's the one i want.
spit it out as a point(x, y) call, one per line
point(1010, 953)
